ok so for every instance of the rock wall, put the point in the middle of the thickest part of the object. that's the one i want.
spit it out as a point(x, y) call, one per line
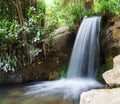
point(109, 43)
point(110, 37)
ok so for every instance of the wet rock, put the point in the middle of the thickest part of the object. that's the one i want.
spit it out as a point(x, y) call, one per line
point(112, 77)
point(7, 78)
point(26, 74)
point(16, 78)
point(101, 96)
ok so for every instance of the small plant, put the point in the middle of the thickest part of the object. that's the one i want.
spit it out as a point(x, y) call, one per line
point(108, 65)
point(53, 75)
point(63, 71)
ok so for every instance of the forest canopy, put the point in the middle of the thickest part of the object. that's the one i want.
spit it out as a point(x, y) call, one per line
point(24, 24)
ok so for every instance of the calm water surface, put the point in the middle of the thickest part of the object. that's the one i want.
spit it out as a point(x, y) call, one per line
point(15, 94)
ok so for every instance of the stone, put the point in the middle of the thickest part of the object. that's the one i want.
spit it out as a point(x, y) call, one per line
point(110, 41)
point(61, 30)
point(112, 77)
point(101, 96)
point(116, 62)
point(105, 96)
point(15, 78)
point(61, 39)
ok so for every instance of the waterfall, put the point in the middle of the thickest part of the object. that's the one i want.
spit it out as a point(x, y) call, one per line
point(82, 68)
point(85, 54)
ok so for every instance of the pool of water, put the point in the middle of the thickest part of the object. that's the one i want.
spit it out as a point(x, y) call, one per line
point(63, 91)
point(16, 95)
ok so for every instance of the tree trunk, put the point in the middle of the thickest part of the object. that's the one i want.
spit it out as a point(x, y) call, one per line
point(10, 11)
point(33, 3)
point(17, 5)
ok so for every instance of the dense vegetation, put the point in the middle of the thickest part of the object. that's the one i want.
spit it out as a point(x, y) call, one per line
point(24, 24)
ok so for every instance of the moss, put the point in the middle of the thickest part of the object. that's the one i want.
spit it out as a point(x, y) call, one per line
point(60, 73)
point(104, 67)
point(63, 71)
point(53, 75)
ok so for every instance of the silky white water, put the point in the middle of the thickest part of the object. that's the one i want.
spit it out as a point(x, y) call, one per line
point(82, 68)
point(85, 54)
point(64, 87)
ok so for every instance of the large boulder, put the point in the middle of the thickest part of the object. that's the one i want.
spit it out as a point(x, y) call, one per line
point(61, 30)
point(61, 39)
point(101, 96)
point(112, 77)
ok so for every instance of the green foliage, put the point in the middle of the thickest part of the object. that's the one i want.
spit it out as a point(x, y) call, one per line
point(3, 9)
point(41, 6)
point(100, 7)
point(110, 7)
point(37, 23)
point(53, 75)
point(11, 43)
point(76, 13)
point(54, 17)
point(71, 12)
point(8, 35)
point(63, 71)
point(107, 66)
point(33, 26)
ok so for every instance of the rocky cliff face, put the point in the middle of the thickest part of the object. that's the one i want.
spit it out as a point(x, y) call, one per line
point(109, 43)
point(110, 40)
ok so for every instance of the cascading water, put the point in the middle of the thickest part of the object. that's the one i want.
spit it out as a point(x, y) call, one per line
point(82, 66)
point(84, 58)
